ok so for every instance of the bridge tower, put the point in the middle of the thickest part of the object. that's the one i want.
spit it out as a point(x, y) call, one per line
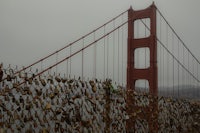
point(149, 74)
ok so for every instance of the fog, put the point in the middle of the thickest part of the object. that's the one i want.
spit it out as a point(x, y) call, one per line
point(30, 30)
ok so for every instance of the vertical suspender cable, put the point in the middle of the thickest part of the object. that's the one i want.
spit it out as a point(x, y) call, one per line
point(162, 55)
point(193, 69)
point(113, 51)
point(197, 72)
point(67, 74)
point(178, 69)
point(167, 59)
point(192, 65)
point(70, 62)
point(173, 60)
point(107, 55)
point(104, 52)
point(183, 73)
point(94, 65)
point(49, 72)
point(163, 60)
point(118, 56)
point(42, 65)
point(193, 72)
point(56, 62)
point(197, 81)
point(188, 62)
point(122, 52)
point(163, 66)
point(82, 63)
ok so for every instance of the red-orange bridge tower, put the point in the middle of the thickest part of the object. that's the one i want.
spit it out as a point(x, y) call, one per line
point(150, 74)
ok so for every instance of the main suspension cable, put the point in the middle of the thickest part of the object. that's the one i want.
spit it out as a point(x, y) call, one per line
point(24, 68)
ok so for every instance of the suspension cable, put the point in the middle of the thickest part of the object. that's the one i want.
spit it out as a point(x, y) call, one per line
point(24, 68)
point(172, 54)
point(178, 61)
point(78, 51)
point(177, 36)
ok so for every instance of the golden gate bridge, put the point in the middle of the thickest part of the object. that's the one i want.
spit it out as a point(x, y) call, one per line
point(136, 53)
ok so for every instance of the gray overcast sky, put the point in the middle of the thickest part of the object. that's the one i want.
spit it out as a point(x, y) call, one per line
point(31, 29)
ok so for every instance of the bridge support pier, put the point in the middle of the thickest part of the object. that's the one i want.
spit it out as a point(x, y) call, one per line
point(149, 74)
